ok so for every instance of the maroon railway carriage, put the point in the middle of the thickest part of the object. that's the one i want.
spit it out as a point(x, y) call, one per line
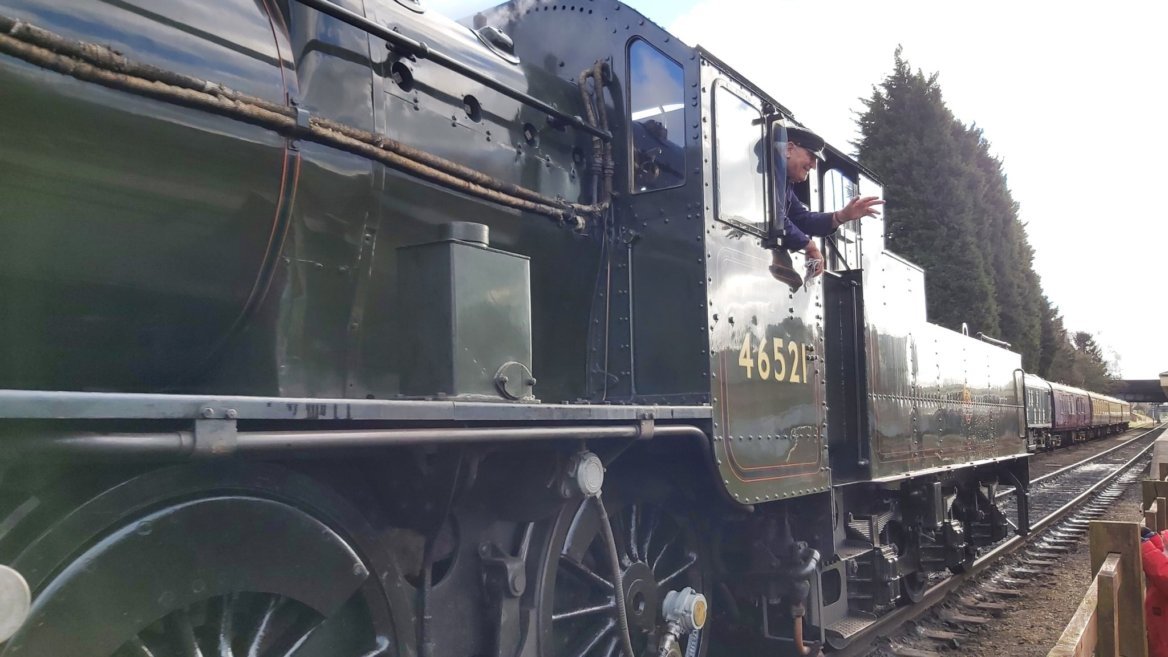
point(1072, 412)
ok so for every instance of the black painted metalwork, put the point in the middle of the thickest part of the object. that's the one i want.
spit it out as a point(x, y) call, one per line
point(422, 50)
point(156, 548)
point(658, 551)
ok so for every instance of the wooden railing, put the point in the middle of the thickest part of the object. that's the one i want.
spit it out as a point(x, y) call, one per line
point(1155, 491)
point(1110, 620)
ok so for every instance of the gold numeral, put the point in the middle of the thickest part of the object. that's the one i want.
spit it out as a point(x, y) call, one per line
point(793, 349)
point(744, 358)
point(780, 361)
point(764, 362)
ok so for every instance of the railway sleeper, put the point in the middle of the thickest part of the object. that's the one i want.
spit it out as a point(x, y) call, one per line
point(959, 618)
point(949, 637)
point(909, 651)
point(1002, 593)
point(1018, 570)
point(1040, 563)
point(998, 608)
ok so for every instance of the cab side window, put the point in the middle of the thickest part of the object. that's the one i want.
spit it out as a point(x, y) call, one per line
point(838, 189)
point(656, 118)
point(740, 165)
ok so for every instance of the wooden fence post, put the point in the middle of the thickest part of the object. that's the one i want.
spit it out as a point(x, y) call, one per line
point(1110, 579)
point(1151, 489)
point(1126, 601)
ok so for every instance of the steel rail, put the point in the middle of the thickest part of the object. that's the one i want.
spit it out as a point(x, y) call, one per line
point(1050, 475)
point(861, 643)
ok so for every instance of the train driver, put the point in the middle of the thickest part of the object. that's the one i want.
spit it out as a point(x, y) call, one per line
point(803, 150)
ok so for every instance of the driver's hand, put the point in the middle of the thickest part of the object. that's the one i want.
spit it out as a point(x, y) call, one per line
point(814, 257)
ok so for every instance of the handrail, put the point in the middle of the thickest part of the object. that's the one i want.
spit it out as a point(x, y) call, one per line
point(1155, 491)
point(422, 50)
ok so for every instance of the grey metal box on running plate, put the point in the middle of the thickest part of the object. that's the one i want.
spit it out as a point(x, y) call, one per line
point(466, 318)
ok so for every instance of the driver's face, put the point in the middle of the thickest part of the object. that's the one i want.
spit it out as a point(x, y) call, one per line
point(800, 162)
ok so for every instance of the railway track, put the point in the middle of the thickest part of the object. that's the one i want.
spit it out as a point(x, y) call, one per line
point(1062, 503)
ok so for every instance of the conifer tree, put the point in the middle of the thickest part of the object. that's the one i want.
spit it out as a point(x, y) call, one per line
point(911, 139)
point(950, 210)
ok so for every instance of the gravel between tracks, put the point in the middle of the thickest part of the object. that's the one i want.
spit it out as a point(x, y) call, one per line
point(1037, 619)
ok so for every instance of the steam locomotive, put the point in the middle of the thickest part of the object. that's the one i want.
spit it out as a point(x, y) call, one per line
point(341, 328)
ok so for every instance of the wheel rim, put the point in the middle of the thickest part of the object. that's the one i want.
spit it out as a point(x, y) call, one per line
point(913, 585)
point(231, 561)
point(658, 553)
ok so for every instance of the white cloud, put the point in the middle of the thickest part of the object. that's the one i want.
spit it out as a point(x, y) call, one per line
point(1067, 94)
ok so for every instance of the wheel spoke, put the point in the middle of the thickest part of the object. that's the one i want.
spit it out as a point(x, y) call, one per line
point(382, 648)
point(585, 573)
point(633, 553)
point(184, 633)
point(136, 647)
point(226, 631)
point(596, 638)
point(298, 631)
point(263, 626)
point(305, 631)
point(653, 524)
point(613, 649)
point(622, 547)
point(691, 559)
point(664, 548)
point(586, 611)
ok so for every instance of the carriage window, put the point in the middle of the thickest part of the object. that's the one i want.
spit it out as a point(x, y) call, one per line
point(656, 118)
point(739, 164)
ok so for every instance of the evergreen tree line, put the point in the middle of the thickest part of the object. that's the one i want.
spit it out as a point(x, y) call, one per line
point(949, 209)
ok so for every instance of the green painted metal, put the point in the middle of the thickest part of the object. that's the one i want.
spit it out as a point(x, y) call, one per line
point(151, 247)
point(134, 231)
point(466, 321)
point(765, 338)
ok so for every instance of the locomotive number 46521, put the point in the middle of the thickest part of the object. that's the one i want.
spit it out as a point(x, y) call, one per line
point(787, 363)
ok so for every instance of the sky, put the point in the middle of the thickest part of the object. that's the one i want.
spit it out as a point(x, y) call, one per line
point(1069, 95)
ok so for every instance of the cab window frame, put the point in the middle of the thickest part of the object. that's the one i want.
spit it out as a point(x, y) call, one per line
point(764, 177)
point(838, 184)
point(679, 105)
